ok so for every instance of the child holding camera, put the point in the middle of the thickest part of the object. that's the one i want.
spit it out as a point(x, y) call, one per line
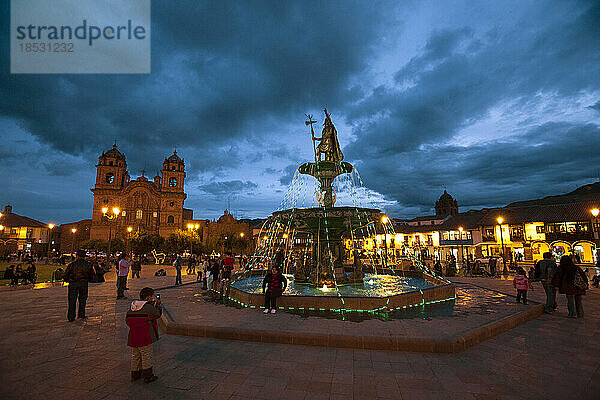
point(143, 331)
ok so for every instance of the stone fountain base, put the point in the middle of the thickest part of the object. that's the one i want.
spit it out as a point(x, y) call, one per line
point(442, 291)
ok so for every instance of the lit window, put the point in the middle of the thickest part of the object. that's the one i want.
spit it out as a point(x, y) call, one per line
point(170, 219)
point(172, 182)
point(155, 214)
point(138, 214)
point(123, 213)
point(110, 177)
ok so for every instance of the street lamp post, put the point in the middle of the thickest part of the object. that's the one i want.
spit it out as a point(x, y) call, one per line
point(127, 245)
point(385, 220)
point(110, 217)
point(462, 254)
point(595, 213)
point(190, 229)
point(73, 230)
point(504, 270)
point(50, 227)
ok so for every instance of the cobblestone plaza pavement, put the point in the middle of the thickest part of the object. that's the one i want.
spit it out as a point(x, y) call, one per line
point(44, 356)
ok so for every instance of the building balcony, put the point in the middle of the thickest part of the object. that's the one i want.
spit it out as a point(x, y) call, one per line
point(569, 237)
point(464, 242)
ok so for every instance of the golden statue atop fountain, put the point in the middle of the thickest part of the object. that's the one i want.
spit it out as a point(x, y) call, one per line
point(328, 160)
point(329, 145)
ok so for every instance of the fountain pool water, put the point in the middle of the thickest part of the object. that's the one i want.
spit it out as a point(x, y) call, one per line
point(373, 286)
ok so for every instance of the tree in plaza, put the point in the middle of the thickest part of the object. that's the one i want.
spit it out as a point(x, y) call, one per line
point(181, 240)
point(95, 245)
point(117, 245)
point(232, 242)
point(144, 243)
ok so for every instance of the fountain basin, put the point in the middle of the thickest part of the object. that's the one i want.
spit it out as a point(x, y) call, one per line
point(379, 292)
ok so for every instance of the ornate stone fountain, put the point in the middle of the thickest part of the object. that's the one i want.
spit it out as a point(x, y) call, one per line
point(309, 243)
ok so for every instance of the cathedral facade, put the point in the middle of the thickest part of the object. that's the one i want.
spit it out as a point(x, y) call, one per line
point(144, 206)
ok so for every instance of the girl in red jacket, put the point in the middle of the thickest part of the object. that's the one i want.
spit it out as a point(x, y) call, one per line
point(143, 331)
point(521, 283)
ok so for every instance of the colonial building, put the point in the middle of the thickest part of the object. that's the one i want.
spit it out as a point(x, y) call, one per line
point(227, 233)
point(148, 206)
point(524, 230)
point(71, 235)
point(22, 234)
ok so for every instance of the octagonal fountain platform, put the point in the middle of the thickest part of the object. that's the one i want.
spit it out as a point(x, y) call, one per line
point(378, 292)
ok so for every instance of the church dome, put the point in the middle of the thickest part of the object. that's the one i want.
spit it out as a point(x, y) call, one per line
point(446, 205)
point(174, 158)
point(114, 153)
point(445, 198)
point(226, 217)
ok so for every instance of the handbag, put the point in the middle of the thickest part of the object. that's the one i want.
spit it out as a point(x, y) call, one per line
point(579, 281)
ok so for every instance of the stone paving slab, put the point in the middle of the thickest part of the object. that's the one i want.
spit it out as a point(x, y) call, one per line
point(551, 357)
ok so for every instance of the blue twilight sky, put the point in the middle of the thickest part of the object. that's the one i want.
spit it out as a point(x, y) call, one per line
point(496, 101)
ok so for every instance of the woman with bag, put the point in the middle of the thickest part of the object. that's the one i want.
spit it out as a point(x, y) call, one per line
point(570, 280)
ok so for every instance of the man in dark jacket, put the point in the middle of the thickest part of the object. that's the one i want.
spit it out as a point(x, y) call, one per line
point(143, 331)
point(546, 268)
point(78, 274)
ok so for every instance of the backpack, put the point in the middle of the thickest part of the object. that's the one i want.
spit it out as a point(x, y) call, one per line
point(538, 270)
point(580, 281)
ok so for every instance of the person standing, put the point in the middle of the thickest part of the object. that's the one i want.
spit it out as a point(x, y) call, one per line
point(209, 275)
point(275, 284)
point(521, 283)
point(177, 265)
point(214, 272)
point(136, 268)
point(124, 266)
point(205, 273)
point(547, 267)
point(570, 280)
point(143, 331)
point(78, 274)
point(228, 262)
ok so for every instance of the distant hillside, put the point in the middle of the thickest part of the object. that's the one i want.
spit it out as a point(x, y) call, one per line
point(584, 193)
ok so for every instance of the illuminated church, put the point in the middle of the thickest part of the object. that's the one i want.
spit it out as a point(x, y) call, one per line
point(147, 206)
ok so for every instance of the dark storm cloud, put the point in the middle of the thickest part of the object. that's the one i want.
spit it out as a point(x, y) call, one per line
point(458, 77)
point(549, 159)
point(455, 80)
point(226, 188)
point(218, 68)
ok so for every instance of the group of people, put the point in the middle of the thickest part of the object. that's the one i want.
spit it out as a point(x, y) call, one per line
point(566, 278)
point(216, 272)
point(16, 273)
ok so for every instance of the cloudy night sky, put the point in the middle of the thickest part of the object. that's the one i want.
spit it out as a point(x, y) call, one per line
point(495, 101)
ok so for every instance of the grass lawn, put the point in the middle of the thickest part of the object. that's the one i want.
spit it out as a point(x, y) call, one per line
point(44, 271)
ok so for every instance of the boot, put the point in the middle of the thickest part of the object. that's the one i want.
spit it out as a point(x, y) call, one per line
point(148, 375)
point(135, 375)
